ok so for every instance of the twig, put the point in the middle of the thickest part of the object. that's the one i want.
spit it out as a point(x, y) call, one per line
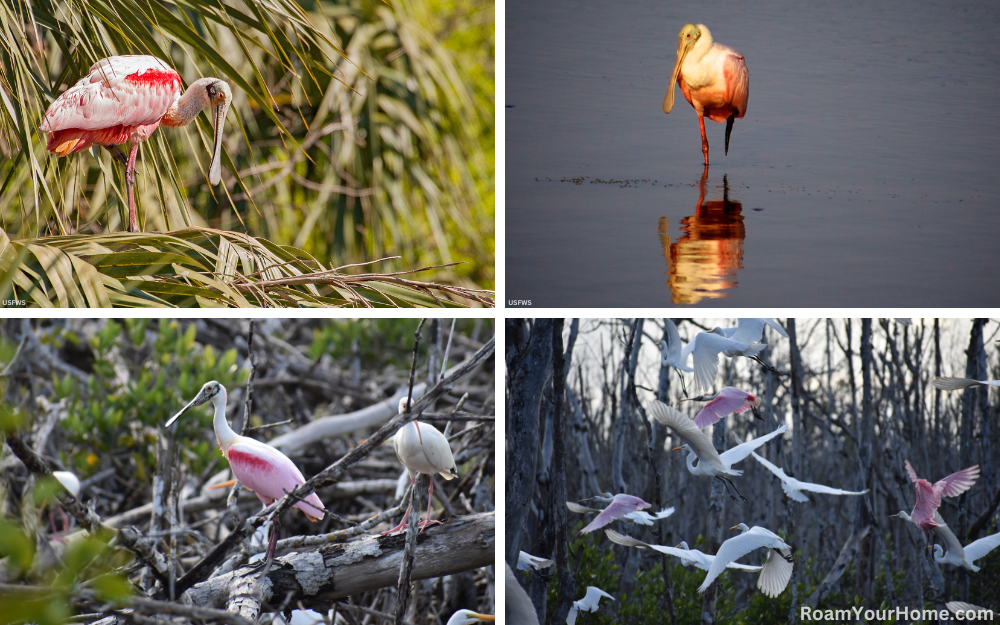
point(403, 585)
point(267, 426)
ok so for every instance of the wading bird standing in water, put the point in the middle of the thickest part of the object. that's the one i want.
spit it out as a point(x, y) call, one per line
point(124, 99)
point(258, 466)
point(713, 78)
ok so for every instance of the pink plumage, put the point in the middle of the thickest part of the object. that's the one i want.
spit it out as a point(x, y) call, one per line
point(929, 495)
point(729, 400)
point(124, 99)
point(269, 474)
point(619, 507)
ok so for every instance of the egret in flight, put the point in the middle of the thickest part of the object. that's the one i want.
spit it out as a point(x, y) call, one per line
point(957, 384)
point(956, 554)
point(699, 445)
point(704, 350)
point(793, 487)
point(590, 603)
point(688, 557)
point(258, 466)
point(527, 561)
point(777, 568)
point(713, 78)
point(748, 332)
point(729, 400)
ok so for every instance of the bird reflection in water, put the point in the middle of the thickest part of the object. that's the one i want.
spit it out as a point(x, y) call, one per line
point(703, 262)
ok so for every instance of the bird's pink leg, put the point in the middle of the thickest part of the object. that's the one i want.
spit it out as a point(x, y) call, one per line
point(403, 524)
point(427, 519)
point(133, 223)
point(704, 139)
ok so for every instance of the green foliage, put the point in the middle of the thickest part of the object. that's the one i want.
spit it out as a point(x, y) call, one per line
point(113, 418)
point(358, 131)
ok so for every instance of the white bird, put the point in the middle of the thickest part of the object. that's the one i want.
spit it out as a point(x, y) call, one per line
point(956, 555)
point(957, 384)
point(527, 561)
point(468, 617)
point(422, 449)
point(590, 603)
point(777, 568)
point(688, 557)
point(748, 333)
point(704, 350)
point(699, 445)
point(793, 487)
point(957, 607)
point(70, 481)
point(517, 604)
point(670, 350)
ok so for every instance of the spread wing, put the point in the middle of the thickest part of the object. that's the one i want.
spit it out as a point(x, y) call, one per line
point(776, 572)
point(687, 431)
point(741, 451)
point(910, 471)
point(958, 482)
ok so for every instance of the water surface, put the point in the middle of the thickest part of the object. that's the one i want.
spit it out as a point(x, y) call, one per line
point(865, 172)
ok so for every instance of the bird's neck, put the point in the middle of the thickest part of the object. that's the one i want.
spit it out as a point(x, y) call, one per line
point(690, 462)
point(185, 108)
point(223, 433)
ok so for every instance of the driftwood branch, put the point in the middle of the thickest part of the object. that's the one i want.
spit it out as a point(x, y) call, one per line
point(319, 577)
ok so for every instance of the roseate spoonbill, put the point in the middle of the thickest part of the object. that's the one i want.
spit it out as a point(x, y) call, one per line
point(713, 78)
point(639, 517)
point(793, 487)
point(422, 449)
point(687, 556)
point(527, 561)
point(777, 568)
point(258, 466)
point(729, 400)
point(929, 495)
point(956, 554)
point(124, 99)
point(621, 505)
point(957, 384)
point(517, 604)
point(590, 603)
point(468, 617)
point(699, 445)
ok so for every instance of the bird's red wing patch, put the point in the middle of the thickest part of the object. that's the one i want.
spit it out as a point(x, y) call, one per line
point(248, 460)
point(152, 77)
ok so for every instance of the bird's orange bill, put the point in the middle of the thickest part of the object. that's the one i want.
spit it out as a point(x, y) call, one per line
point(484, 617)
point(677, 448)
point(222, 484)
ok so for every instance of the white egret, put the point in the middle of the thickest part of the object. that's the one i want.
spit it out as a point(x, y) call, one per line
point(527, 561)
point(793, 487)
point(422, 449)
point(590, 603)
point(957, 384)
point(70, 481)
point(777, 568)
point(699, 445)
point(468, 617)
point(960, 608)
point(704, 350)
point(748, 333)
point(688, 557)
point(670, 350)
point(517, 604)
point(729, 400)
point(956, 554)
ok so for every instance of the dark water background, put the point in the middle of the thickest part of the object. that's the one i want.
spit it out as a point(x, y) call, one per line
point(865, 172)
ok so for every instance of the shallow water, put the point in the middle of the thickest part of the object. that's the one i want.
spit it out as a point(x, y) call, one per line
point(865, 172)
